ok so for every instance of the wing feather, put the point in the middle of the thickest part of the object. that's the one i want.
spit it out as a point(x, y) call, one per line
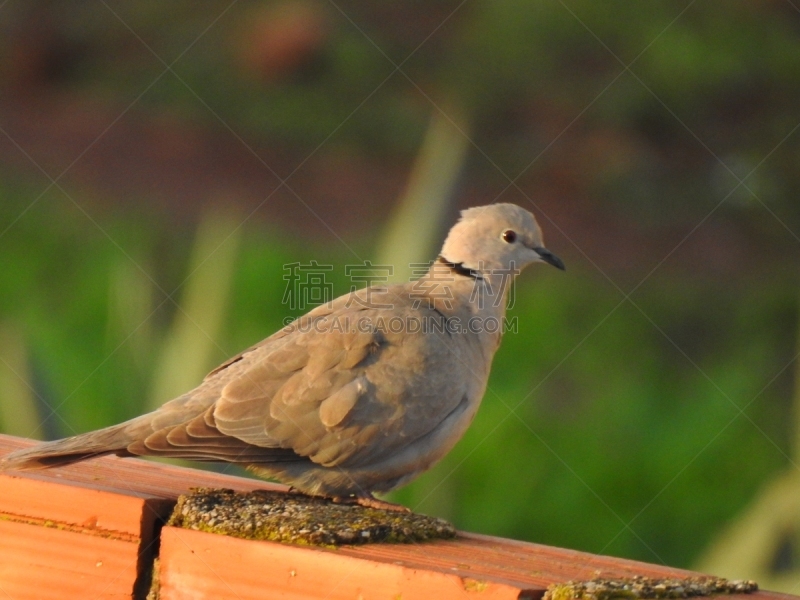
point(328, 393)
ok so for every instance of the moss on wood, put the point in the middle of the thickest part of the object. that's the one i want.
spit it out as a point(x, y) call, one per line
point(300, 519)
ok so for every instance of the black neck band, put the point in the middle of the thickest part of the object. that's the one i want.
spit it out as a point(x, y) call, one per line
point(459, 268)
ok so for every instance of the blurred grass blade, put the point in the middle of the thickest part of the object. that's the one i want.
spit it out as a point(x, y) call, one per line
point(795, 435)
point(192, 344)
point(751, 547)
point(763, 543)
point(416, 224)
point(130, 306)
point(18, 411)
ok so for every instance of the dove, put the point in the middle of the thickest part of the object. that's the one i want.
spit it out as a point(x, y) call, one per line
point(358, 396)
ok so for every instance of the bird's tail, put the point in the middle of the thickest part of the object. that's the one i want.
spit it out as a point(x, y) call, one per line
point(112, 440)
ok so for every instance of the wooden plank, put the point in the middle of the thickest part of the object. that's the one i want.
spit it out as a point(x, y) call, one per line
point(117, 513)
point(206, 566)
point(202, 565)
point(42, 563)
point(88, 530)
point(57, 523)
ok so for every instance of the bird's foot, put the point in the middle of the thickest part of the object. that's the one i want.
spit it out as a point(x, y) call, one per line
point(373, 502)
point(370, 501)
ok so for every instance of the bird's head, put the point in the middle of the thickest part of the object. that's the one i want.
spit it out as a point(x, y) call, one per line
point(497, 237)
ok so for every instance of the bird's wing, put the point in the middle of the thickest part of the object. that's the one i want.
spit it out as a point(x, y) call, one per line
point(340, 391)
point(304, 321)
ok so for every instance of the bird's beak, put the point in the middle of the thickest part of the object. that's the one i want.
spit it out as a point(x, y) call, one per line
point(550, 258)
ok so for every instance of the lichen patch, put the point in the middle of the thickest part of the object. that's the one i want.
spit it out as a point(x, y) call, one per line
point(639, 587)
point(300, 519)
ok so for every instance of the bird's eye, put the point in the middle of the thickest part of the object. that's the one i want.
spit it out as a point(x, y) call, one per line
point(509, 236)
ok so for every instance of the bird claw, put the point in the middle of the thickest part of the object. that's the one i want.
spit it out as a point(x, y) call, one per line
point(370, 501)
point(373, 502)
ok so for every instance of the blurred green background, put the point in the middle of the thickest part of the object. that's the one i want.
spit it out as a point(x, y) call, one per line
point(161, 163)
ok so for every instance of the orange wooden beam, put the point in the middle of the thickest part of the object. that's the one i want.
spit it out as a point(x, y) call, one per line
point(91, 530)
point(88, 530)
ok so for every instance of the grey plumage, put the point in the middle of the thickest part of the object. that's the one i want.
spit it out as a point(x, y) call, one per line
point(361, 394)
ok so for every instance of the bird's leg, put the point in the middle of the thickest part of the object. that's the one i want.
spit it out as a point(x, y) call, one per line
point(370, 501)
point(366, 500)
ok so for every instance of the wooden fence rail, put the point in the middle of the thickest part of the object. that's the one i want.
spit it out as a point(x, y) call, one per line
point(94, 530)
